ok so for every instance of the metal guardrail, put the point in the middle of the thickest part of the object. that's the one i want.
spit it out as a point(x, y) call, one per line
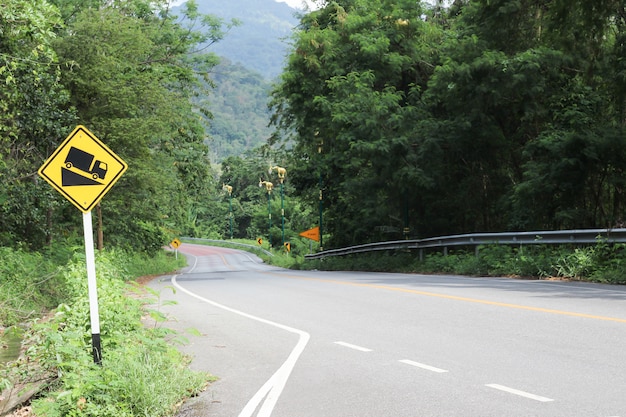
point(559, 237)
point(228, 242)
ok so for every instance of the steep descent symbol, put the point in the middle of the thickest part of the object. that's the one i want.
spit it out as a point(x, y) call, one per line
point(81, 162)
point(84, 162)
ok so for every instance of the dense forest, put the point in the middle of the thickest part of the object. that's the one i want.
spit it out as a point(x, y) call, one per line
point(127, 70)
point(252, 54)
point(239, 119)
point(407, 119)
point(487, 115)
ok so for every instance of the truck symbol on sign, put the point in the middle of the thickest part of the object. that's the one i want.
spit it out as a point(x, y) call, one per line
point(86, 162)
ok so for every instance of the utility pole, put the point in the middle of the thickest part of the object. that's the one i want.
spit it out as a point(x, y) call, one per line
point(282, 173)
point(229, 190)
point(268, 186)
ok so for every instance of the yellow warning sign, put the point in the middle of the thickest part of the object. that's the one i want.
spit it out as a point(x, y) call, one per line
point(83, 169)
point(175, 243)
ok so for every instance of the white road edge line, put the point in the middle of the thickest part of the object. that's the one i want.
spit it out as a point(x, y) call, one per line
point(355, 347)
point(520, 393)
point(423, 366)
point(271, 390)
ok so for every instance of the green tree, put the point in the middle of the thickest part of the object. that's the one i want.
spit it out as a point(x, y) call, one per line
point(353, 88)
point(537, 81)
point(34, 113)
point(131, 74)
point(250, 212)
point(491, 115)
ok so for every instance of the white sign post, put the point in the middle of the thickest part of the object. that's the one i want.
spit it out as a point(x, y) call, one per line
point(94, 315)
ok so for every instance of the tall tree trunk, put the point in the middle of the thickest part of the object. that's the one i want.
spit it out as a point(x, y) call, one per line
point(100, 244)
point(49, 226)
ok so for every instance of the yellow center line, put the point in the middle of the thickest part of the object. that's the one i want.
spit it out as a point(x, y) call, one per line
point(226, 262)
point(457, 298)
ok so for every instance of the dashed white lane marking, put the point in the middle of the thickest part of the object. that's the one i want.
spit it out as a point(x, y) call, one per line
point(423, 366)
point(267, 397)
point(520, 393)
point(355, 347)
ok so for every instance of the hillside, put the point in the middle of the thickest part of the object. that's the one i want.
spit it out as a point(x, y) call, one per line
point(253, 54)
point(261, 42)
point(239, 108)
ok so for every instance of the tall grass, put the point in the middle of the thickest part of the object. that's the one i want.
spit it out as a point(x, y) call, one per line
point(141, 373)
point(29, 285)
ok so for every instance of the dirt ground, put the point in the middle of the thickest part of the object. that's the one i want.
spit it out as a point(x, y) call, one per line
point(21, 412)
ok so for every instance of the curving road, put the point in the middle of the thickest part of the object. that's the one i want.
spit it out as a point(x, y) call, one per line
point(340, 344)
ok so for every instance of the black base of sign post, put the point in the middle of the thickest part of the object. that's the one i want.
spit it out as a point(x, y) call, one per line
point(96, 349)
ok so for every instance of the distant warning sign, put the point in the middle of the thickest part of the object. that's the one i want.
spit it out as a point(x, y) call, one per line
point(313, 234)
point(175, 243)
point(83, 169)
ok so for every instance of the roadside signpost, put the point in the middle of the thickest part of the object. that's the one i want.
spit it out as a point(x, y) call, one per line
point(175, 244)
point(83, 170)
point(313, 234)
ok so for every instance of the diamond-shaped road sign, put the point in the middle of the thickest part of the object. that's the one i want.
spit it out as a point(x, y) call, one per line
point(83, 169)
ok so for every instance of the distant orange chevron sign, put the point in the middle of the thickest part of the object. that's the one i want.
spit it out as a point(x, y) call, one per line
point(313, 234)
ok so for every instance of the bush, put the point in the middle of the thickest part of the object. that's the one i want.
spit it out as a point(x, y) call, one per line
point(29, 284)
point(601, 262)
point(141, 375)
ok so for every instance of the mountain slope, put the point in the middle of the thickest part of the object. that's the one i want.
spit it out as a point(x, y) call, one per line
point(252, 55)
point(261, 42)
point(239, 108)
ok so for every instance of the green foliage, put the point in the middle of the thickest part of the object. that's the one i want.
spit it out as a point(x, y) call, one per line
point(127, 70)
point(32, 283)
point(576, 264)
point(487, 116)
point(600, 262)
point(29, 284)
point(34, 111)
point(145, 236)
point(239, 94)
point(406, 119)
point(140, 264)
point(354, 82)
point(250, 202)
point(131, 84)
point(259, 39)
point(141, 374)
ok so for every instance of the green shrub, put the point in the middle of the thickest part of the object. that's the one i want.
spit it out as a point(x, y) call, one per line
point(438, 263)
point(576, 264)
point(141, 374)
point(29, 284)
point(601, 262)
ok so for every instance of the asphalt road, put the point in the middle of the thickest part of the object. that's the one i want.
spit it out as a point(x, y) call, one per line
point(341, 344)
